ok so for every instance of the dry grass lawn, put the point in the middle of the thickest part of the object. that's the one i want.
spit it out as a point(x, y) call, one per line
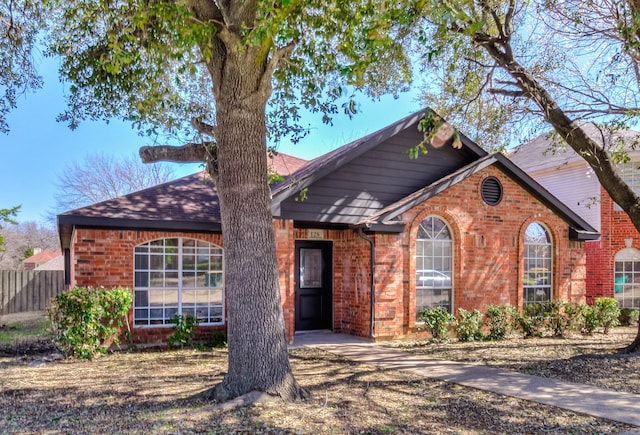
point(154, 392)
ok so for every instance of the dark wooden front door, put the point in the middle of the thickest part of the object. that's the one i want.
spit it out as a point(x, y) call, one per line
point(314, 285)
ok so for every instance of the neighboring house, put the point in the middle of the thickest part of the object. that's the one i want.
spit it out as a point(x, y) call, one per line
point(366, 238)
point(56, 263)
point(613, 261)
point(40, 258)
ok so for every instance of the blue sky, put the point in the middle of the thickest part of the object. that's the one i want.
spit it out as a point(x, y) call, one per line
point(38, 148)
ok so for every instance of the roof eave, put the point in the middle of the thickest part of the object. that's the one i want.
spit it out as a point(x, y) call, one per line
point(66, 224)
point(581, 235)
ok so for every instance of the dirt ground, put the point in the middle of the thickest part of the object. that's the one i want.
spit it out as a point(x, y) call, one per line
point(589, 360)
point(156, 391)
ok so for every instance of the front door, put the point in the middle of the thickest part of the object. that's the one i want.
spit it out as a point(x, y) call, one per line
point(314, 285)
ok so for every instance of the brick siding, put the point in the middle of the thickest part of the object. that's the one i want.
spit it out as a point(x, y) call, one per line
point(615, 228)
point(488, 260)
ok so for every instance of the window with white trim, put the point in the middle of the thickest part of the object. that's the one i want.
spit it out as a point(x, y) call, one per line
point(178, 276)
point(630, 174)
point(434, 265)
point(626, 278)
point(538, 264)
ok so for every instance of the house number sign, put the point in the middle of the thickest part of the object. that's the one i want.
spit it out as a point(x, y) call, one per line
point(315, 234)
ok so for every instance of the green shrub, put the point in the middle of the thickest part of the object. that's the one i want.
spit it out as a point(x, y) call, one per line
point(561, 317)
point(469, 325)
point(628, 316)
point(603, 314)
point(590, 320)
point(85, 321)
point(608, 313)
point(499, 321)
point(218, 339)
point(532, 320)
point(437, 321)
point(184, 333)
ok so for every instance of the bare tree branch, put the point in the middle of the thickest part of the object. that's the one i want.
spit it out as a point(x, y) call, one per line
point(202, 127)
point(189, 153)
point(507, 92)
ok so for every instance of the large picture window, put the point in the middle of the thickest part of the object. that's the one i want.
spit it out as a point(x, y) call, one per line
point(434, 265)
point(626, 276)
point(538, 264)
point(178, 276)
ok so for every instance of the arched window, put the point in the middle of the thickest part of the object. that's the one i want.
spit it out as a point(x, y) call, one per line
point(434, 265)
point(626, 277)
point(538, 264)
point(178, 276)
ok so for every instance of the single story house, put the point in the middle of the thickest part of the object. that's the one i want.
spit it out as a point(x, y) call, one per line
point(613, 260)
point(366, 238)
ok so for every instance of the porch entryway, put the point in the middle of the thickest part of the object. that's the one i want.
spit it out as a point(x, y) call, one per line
point(314, 285)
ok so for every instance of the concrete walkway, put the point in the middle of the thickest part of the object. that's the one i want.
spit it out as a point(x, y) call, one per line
point(585, 399)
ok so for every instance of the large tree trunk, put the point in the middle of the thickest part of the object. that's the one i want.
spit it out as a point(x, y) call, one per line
point(258, 357)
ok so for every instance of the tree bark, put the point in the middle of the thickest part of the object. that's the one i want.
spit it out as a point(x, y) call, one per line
point(635, 345)
point(258, 358)
point(242, 74)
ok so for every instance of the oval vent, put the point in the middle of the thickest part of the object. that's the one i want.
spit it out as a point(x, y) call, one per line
point(491, 191)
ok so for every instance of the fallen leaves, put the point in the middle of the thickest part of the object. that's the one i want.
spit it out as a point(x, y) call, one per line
point(157, 392)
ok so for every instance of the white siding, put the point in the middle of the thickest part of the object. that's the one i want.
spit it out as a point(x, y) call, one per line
point(577, 186)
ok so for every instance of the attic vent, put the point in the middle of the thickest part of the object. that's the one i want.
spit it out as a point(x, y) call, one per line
point(491, 191)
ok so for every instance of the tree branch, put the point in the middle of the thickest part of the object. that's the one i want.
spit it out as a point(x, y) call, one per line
point(506, 92)
point(189, 153)
point(203, 127)
point(281, 53)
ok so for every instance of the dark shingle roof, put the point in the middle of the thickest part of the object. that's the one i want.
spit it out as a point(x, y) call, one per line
point(188, 203)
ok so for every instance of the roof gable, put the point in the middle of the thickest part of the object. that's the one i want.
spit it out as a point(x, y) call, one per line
point(386, 219)
point(366, 175)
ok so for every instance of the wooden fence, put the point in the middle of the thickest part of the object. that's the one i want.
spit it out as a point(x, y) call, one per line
point(29, 290)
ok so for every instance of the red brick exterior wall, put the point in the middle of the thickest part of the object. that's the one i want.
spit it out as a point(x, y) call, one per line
point(488, 260)
point(615, 228)
point(103, 257)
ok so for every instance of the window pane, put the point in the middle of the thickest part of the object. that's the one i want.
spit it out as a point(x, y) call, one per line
point(157, 266)
point(215, 279)
point(157, 279)
point(141, 316)
point(141, 261)
point(188, 262)
point(171, 262)
point(141, 298)
point(157, 262)
point(538, 261)
point(434, 261)
point(188, 280)
point(141, 279)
